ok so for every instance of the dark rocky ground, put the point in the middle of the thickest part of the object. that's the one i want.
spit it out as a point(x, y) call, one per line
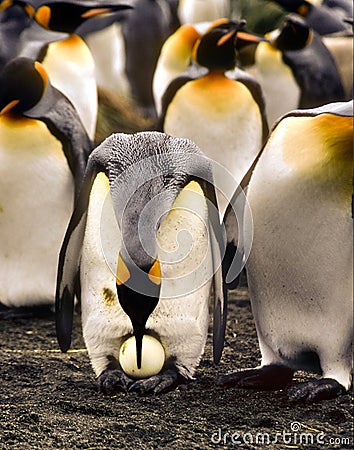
point(49, 400)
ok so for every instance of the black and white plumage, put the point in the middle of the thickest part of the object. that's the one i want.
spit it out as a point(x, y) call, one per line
point(147, 209)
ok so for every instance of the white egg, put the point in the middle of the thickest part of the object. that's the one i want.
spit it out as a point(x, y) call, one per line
point(152, 357)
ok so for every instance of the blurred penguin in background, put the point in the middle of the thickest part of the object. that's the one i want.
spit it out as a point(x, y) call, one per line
point(126, 51)
point(51, 39)
point(295, 69)
point(194, 11)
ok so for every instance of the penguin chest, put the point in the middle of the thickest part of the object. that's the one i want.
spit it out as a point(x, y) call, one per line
point(281, 92)
point(108, 50)
point(36, 200)
point(71, 70)
point(222, 118)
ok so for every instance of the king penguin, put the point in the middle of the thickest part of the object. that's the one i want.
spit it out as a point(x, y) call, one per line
point(194, 11)
point(300, 269)
point(43, 154)
point(120, 67)
point(323, 19)
point(145, 241)
point(295, 70)
point(223, 116)
point(68, 60)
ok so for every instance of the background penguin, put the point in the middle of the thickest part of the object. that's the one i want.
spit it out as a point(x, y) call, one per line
point(193, 11)
point(127, 50)
point(300, 269)
point(43, 154)
point(137, 275)
point(295, 70)
point(174, 59)
point(321, 18)
point(223, 116)
point(68, 60)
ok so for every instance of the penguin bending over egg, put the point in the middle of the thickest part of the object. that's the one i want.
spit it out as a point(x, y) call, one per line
point(43, 152)
point(144, 243)
point(300, 269)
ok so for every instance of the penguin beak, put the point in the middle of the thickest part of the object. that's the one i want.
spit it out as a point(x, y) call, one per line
point(95, 12)
point(138, 303)
point(9, 107)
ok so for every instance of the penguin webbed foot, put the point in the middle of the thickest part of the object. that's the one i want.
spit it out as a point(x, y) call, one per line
point(315, 390)
point(158, 384)
point(271, 377)
point(113, 380)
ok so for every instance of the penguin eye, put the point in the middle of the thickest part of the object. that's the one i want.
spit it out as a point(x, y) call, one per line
point(155, 273)
point(123, 273)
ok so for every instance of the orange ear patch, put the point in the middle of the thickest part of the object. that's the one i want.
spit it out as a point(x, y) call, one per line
point(123, 273)
point(155, 273)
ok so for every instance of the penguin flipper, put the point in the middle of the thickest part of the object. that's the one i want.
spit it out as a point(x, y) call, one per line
point(69, 260)
point(220, 293)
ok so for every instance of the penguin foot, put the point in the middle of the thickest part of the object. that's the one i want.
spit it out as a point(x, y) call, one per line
point(25, 312)
point(112, 381)
point(314, 391)
point(270, 377)
point(157, 384)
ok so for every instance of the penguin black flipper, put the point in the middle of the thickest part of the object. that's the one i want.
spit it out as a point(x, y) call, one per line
point(316, 73)
point(217, 242)
point(64, 123)
point(192, 73)
point(69, 258)
point(256, 91)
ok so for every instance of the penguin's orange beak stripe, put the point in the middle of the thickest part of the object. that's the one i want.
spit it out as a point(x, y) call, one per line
point(225, 38)
point(95, 12)
point(9, 106)
point(249, 37)
point(155, 273)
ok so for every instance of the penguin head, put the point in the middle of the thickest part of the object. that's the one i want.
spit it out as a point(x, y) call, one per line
point(66, 17)
point(294, 35)
point(216, 48)
point(301, 7)
point(22, 85)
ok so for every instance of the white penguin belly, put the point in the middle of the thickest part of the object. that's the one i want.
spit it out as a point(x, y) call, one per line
point(222, 118)
point(300, 266)
point(108, 50)
point(181, 322)
point(71, 70)
point(281, 92)
point(192, 11)
point(36, 201)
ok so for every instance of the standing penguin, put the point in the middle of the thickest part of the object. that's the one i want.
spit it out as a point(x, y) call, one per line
point(145, 235)
point(223, 116)
point(321, 18)
point(43, 154)
point(300, 269)
point(68, 59)
point(295, 70)
point(126, 51)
